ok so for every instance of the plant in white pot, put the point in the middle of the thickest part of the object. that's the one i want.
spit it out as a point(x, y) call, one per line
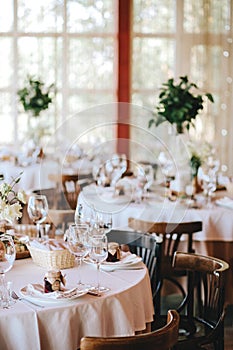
point(35, 98)
point(179, 105)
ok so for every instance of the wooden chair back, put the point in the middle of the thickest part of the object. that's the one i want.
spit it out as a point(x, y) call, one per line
point(163, 339)
point(202, 318)
point(71, 189)
point(172, 235)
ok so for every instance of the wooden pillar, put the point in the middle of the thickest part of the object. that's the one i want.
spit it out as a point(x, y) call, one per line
point(124, 75)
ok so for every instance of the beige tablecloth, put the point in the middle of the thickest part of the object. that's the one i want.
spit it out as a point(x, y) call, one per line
point(126, 308)
point(217, 221)
point(216, 238)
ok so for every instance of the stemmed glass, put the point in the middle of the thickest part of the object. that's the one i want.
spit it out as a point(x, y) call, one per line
point(103, 222)
point(77, 239)
point(209, 178)
point(145, 175)
point(119, 166)
point(98, 253)
point(209, 186)
point(167, 168)
point(38, 210)
point(7, 258)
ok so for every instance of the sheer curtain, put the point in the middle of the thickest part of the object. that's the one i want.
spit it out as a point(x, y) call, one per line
point(186, 37)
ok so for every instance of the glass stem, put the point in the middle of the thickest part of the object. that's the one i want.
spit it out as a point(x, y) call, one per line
point(4, 295)
point(79, 261)
point(38, 230)
point(98, 278)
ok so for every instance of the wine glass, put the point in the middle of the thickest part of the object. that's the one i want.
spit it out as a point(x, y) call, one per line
point(146, 174)
point(77, 239)
point(103, 222)
point(7, 258)
point(119, 166)
point(38, 210)
point(98, 253)
point(209, 178)
point(209, 186)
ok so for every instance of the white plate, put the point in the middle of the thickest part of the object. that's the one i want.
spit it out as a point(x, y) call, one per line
point(130, 261)
point(35, 292)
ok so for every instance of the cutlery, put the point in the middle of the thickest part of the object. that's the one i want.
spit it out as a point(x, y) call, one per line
point(121, 268)
point(16, 297)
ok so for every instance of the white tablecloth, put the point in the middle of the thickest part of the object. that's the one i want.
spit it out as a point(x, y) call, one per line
point(34, 176)
point(126, 308)
point(217, 221)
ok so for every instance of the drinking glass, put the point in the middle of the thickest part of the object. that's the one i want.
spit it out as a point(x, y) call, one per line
point(7, 258)
point(77, 239)
point(209, 178)
point(119, 166)
point(84, 214)
point(38, 210)
point(209, 186)
point(145, 174)
point(167, 168)
point(103, 222)
point(98, 253)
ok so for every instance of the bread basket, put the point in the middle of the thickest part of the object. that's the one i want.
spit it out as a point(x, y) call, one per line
point(52, 259)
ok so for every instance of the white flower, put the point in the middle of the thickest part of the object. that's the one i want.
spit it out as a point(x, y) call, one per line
point(21, 196)
point(10, 201)
point(10, 212)
point(202, 150)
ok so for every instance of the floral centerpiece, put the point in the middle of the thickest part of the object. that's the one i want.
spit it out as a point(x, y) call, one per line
point(11, 202)
point(178, 104)
point(199, 154)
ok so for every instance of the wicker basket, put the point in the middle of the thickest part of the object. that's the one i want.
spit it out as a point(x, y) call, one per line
point(52, 259)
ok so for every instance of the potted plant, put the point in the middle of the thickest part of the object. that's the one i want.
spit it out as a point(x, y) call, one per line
point(35, 97)
point(178, 104)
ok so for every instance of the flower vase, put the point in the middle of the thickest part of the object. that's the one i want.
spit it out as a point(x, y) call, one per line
point(181, 159)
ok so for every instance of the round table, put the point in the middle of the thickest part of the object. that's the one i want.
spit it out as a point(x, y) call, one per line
point(123, 310)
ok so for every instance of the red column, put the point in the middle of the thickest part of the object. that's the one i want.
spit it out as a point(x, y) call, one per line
point(124, 76)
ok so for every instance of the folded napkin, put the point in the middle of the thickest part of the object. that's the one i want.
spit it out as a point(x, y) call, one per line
point(51, 244)
point(126, 259)
point(38, 245)
point(37, 290)
point(128, 262)
point(225, 202)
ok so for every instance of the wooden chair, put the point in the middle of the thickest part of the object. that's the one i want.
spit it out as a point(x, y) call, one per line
point(162, 339)
point(202, 319)
point(172, 235)
point(71, 189)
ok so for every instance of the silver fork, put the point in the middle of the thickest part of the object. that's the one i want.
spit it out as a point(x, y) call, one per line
point(16, 297)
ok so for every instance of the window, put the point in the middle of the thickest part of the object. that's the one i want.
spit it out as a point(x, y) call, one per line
point(69, 43)
point(184, 37)
point(74, 44)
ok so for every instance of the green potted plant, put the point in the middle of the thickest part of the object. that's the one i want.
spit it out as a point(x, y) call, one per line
point(35, 97)
point(178, 104)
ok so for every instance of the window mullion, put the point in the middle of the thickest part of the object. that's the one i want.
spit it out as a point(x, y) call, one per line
point(15, 74)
